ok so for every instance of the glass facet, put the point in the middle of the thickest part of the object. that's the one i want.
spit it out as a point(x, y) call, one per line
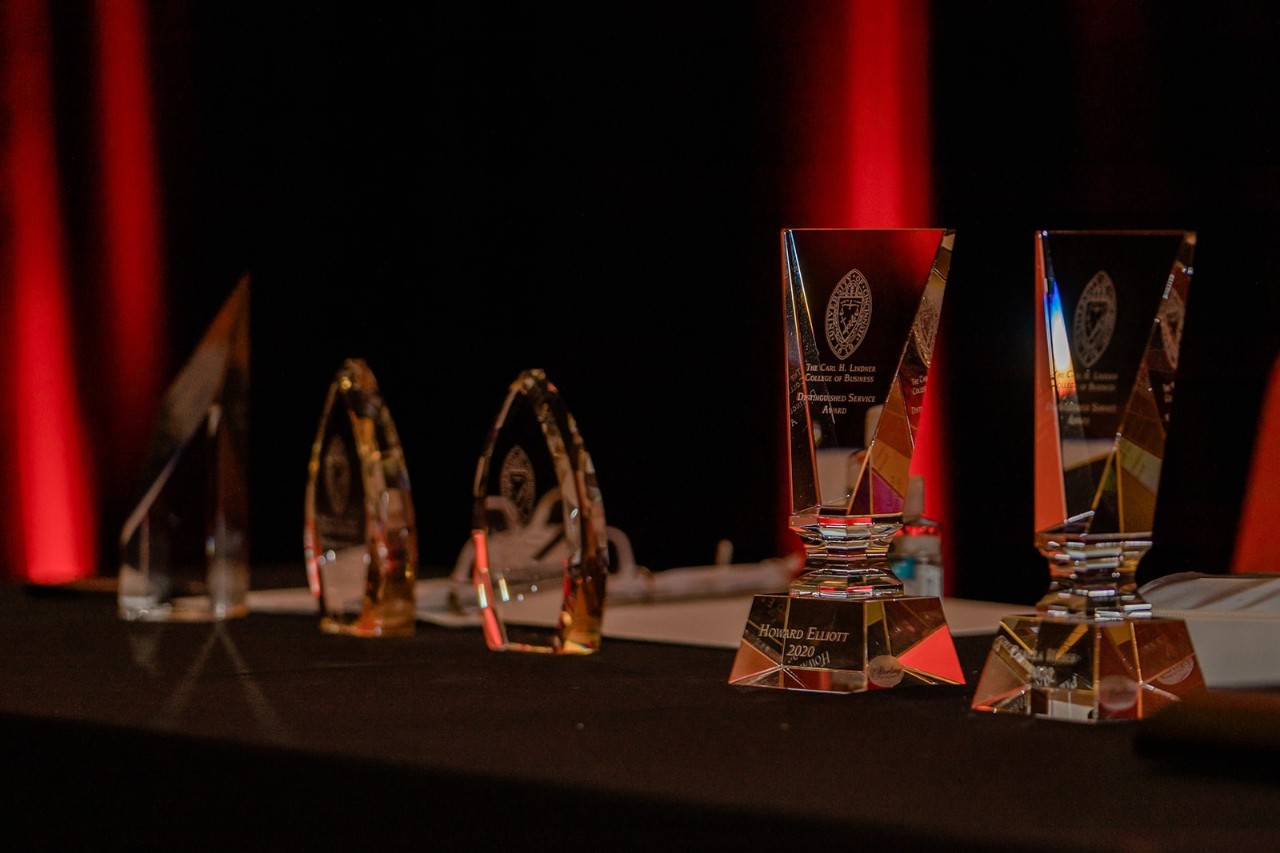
point(1110, 306)
point(860, 312)
point(359, 535)
point(541, 554)
point(184, 550)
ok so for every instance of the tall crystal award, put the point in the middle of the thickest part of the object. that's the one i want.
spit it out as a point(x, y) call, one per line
point(861, 309)
point(184, 550)
point(1108, 324)
point(359, 537)
point(541, 554)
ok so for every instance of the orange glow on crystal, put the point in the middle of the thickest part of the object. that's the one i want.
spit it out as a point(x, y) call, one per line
point(935, 655)
point(493, 633)
point(1050, 498)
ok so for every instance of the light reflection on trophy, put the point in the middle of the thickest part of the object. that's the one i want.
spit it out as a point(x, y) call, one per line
point(861, 308)
point(1109, 312)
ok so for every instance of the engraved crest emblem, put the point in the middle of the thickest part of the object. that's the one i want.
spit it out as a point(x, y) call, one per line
point(337, 475)
point(925, 328)
point(517, 483)
point(1172, 312)
point(1095, 319)
point(848, 314)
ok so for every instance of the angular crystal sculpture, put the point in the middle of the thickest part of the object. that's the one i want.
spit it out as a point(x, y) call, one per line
point(184, 550)
point(1108, 328)
point(861, 308)
point(360, 541)
point(541, 555)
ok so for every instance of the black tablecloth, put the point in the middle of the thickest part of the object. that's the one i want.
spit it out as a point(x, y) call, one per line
point(265, 731)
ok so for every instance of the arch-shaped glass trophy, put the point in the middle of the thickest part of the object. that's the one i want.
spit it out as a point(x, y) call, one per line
point(1108, 324)
point(861, 310)
point(541, 556)
point(359, 536)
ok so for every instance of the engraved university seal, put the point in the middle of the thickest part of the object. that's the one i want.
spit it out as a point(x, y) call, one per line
point(848, 314)
point(1095, 319)
point(925, 330)
point(337, 475)
point(516, 482)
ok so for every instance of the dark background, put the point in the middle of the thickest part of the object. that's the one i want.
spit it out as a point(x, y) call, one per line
point(458, 193)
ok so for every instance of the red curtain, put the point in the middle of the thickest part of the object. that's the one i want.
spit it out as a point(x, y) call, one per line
point(51, 528)
point(51, 525)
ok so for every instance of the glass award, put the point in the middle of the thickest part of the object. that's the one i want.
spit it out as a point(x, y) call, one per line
point(184, 550)
point(359, 537)
point(541, 553)
point(861, 309)
point(1108, 324)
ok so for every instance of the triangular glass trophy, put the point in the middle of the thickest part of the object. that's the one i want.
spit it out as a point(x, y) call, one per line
point(360, 541)
point(1110, 307)
point(541, 554)
point(861, 309)
point(184, 550)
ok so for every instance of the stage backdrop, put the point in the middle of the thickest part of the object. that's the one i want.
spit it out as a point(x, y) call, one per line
point(456, 196)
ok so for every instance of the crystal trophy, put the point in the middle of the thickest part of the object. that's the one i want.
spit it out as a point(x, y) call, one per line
point(541, 553)
point(184, 550)
point(1109, 314)
point(359, 537)
point(861, 309)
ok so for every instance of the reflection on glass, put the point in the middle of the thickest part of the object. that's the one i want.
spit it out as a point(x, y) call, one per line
point(540, 541)
point(860, 312)
point(1108, 333)
point(359, 536)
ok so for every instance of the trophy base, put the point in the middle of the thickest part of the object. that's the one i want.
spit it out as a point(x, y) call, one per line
point(367, 627)
point(845, 645)
point(1079, 669)
point(180, 611)
point(223, 594)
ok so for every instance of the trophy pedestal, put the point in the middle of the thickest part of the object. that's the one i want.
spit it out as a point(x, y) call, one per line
point(1083, 669)
point(845, 645)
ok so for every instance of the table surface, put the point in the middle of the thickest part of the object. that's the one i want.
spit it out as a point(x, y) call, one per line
point(264, 729)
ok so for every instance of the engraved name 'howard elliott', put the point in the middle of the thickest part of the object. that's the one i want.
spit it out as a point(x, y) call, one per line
point(817, 635)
